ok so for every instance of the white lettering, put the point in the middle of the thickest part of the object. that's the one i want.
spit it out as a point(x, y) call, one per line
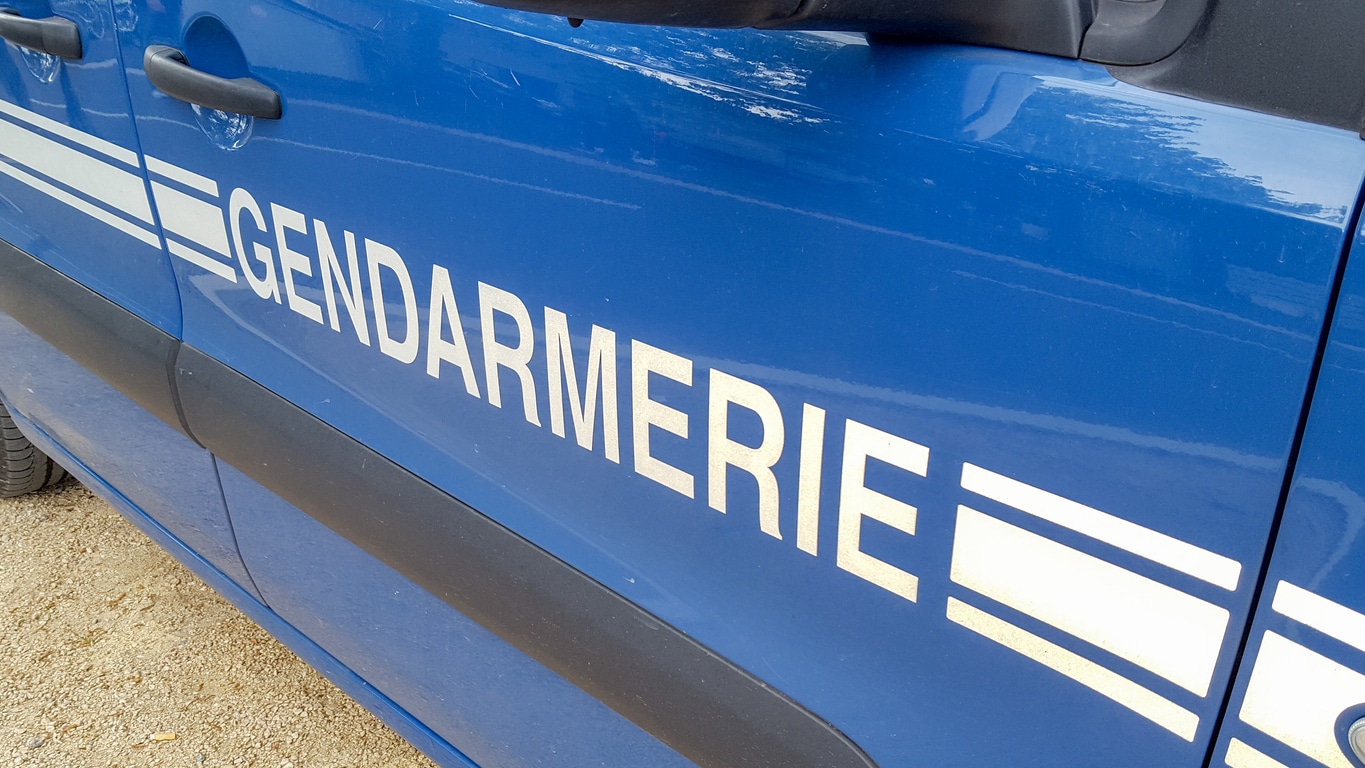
point(857, 501)
point(265, 285)
point(559, 364)
point(352, 293)
point(443, 312)
point(516, 359)
point(380, 255)
point(808, 484)
point(759, 461)
point(293, 261)
point(646, 413)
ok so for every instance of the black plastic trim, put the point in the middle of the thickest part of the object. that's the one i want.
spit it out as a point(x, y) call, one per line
point(701, 705)
point(168, 70)
point(54, 35)
point(126, 351)
point(1133, 32)
point(1041, 26)
point(1292, 59)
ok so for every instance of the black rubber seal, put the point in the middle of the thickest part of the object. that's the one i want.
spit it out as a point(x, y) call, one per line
point(701, 705)
point(129, 353)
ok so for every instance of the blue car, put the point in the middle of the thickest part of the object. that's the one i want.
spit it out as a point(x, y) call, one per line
point(751, 383)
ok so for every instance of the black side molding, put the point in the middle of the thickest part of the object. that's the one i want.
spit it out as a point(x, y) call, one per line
point(129, 353)
point(1042, 26)
point(701, 705)
point(709, 710)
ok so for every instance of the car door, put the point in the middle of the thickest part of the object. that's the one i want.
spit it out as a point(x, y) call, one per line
point(1300, 691)
point(800, 397)
point(91, 310)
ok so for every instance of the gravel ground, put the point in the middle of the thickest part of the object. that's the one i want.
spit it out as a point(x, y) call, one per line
point(113, 654)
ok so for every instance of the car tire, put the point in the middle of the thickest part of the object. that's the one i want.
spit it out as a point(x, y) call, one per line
point(23, 468)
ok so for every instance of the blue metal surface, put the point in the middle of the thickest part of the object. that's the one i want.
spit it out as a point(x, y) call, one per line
point(1306, 652)
point(231, 588)
point(156, 468)
point(73, 194)
point(1014, 262)
point(72, 191)
point(502, 707)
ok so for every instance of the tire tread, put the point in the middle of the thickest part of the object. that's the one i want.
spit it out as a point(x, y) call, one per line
point(23, 468)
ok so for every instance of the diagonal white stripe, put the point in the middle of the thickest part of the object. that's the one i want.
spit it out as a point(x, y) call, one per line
point(180, 175)
point(71, 134)
point(1155, 546)
point(101, 180)
point(1161, 629)
point(1295, 695)
point(1243, 755)
point(1331, 619)
point(192, 218)
point(200, 260)
point(145, 235)
point(1149, 704)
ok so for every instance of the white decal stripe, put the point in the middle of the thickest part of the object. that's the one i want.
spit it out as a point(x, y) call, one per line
point(200, 260)
point(1161, 629)
point(107, 183)
point(1331, 619)
point(192, 218)
point(180, 175)
point(145, 235)
point(1242, 755)
point(1155, 546)
point(1295, 696)
point(1149, 704)
point(71, 134)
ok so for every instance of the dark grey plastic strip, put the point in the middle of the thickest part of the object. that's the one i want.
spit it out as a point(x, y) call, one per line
point(54, 35)
point(701, 705)
point(1042, 26)
point(167, 69)
point(129, 353)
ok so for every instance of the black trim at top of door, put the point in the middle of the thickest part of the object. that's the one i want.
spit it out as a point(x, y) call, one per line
point(701, 705)
point(1296, 60)
point(127, 352)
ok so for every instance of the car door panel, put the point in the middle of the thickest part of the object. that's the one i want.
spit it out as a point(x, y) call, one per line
point(1301, 682)
point(1011, 310)
point(73, 187)
point(458, 678)
point(86, 279)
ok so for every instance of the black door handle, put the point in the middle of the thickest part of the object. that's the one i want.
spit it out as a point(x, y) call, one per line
point(172, 75)
point(54, 35)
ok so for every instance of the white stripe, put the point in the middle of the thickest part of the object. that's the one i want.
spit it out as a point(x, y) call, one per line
point(200, 260)
point(1150, 705)
point(1242, 755)
point(192, 218)
point(1161, 629)
point(71, 134)
point(1331, 619)
point(176, 173)
point(145, 235)
point(1295, 696)
point(107, 183)
point(1155, 546)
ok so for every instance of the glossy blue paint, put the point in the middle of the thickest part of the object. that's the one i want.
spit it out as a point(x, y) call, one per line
point(160, 471)
point(1107, 293)
point(232, 589)
point(501, 706)
point(1320, 549)
point(90, 96)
